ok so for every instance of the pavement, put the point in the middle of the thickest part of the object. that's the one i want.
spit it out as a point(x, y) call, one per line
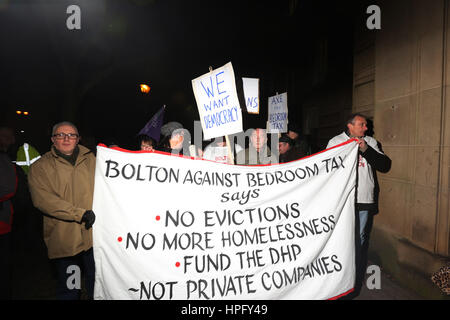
point(387, 288)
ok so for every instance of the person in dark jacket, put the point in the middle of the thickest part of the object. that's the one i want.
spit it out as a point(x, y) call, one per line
point(301, 146)
point(8, 187)
point(286, 150)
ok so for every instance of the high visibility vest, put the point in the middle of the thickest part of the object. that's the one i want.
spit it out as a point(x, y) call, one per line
point(26, 156)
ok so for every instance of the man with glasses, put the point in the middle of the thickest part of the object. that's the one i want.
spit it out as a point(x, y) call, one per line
point(62, 186)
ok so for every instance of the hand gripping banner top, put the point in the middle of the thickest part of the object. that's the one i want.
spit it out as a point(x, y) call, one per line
point(171, 227)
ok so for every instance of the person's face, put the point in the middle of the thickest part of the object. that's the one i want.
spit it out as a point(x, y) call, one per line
point(283, 147)
point(63, 143)
point(258, 138)
point(146, 146)
point(176, 141)
point(358, 128)
point(293, 135)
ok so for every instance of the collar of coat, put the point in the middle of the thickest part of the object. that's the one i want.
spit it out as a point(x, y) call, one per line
point(78, 152)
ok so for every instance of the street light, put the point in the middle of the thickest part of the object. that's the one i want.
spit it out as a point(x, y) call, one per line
point(145, 88)
point(22, 120)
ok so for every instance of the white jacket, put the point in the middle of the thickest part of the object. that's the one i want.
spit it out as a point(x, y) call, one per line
point(366, 181)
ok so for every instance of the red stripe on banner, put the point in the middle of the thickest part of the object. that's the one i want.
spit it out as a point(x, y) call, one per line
point(336, 146)
point(154, 151)
point(145, 151)
point(343, 294)
point(194, 158)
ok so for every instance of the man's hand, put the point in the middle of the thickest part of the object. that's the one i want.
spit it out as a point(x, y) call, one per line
point(88, 218)
point(362, 144)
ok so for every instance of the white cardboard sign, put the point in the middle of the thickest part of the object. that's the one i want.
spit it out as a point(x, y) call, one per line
point(278, 114)
point(251, 94)
point(217, 102)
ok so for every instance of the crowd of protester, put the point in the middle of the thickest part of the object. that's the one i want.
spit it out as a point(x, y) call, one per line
point(58, 185)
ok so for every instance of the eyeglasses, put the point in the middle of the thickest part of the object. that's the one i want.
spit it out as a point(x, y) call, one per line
point(62, 135)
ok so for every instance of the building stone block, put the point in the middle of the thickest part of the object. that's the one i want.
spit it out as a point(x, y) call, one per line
point(395, 204)
point(429, 121)
point(363, 95)
point(424, 217)
point(395, 121)
point(401, 158)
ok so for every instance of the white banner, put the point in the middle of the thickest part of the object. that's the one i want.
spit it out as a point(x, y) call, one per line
point(251, 94)
point(170, 227)
point(218, 103)
point(278, 114)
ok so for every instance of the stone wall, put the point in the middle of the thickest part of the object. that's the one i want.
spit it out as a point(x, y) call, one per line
point(401, 77)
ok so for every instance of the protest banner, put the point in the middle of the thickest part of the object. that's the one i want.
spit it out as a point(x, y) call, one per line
point(278, 114)
point(251, 94)
point(172, 227)
point(217, 102)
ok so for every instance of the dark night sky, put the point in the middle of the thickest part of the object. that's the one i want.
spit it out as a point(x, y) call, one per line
point(123, 43)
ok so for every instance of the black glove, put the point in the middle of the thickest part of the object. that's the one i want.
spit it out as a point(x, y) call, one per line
point(88, 218)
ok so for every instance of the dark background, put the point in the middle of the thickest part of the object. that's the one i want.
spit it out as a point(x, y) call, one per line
point(92, 76)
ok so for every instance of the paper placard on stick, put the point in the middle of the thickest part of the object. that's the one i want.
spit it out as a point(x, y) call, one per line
point(278, 114)
point(217, 102)
point(251, 94)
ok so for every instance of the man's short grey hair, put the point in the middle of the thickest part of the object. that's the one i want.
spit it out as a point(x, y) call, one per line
point(63, 123)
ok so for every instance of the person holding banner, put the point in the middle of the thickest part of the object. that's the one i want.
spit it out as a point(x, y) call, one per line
point(62, 187)
point(8, 188)
point(258, 152)
point(371, 159)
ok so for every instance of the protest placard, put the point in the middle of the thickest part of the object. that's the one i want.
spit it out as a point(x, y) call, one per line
point(171, 227)
point(217, 102)
point(278, 114)
point(251, 94)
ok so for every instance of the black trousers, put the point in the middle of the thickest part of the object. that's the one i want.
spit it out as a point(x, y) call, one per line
point(5, 266)
point(69, 273)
